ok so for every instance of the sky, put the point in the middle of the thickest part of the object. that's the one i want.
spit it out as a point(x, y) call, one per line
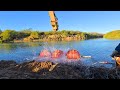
point(85, 21)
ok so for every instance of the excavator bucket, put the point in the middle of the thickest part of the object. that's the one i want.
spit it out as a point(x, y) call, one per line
point(53, 20)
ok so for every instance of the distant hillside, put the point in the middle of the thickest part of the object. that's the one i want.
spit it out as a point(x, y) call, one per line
point(112, 35)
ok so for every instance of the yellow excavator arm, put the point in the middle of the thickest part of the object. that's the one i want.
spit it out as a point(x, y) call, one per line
point(53, 20)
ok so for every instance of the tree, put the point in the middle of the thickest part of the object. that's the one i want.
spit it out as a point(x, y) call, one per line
point(72, 33)
point(41, 33)
point(35, 34)
point(82, 36)
point(8, 35)
point(26, 32)
point(65, 34)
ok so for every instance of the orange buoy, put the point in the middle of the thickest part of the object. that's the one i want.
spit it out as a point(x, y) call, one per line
point(57, 54)
point(45, 53)
point(118, 60)
point(73, 54)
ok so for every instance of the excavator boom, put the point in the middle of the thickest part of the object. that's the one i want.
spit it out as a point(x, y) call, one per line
point(53, 20)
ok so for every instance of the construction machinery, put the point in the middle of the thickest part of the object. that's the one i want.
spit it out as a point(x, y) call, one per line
point(53, 20)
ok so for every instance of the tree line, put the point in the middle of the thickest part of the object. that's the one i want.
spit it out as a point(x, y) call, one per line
point(11, 35)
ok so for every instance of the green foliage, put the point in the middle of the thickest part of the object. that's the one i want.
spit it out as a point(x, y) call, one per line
point(82, 35)
point(73, 33)
point(35, 34)
point(26, 32)
point(93, 35)
point(113, 35)
point(8, 35)
point(41, 33)
point(0, 41)
point(21, 35)
point(65, 33)
point(49, 33)
point(77, 34)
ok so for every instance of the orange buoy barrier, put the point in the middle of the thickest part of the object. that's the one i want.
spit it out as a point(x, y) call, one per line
point(45, 53)
point(73, 54)
point(57, 54)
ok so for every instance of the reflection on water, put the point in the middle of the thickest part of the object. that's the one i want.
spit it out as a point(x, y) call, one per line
point(7, 47)
point(12, 46)
point(99, 49)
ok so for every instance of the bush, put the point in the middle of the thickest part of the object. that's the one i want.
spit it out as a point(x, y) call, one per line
point(35, 34)
point(8, 35)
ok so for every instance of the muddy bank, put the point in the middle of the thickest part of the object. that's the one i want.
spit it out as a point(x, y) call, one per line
point(46, 70)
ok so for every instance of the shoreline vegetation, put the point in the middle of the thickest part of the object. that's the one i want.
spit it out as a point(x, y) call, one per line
point(32, 36)
point(115, 34)
point(42, 70)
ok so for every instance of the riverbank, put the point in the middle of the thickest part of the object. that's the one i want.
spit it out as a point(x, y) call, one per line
point(45, 70)
point(45, 40)
point(29, 36)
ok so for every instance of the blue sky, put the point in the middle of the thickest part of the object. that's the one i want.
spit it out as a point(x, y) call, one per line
point(86, 21)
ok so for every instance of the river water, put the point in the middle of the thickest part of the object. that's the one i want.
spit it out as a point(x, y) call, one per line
point(99, 49)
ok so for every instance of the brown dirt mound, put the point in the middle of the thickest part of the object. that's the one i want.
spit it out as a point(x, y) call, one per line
point(34, 66)
point(40, 70)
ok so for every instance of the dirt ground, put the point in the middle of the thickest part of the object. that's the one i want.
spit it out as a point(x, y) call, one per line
point(50, 70)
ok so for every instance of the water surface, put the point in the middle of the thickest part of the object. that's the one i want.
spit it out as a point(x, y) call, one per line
point(99, 49)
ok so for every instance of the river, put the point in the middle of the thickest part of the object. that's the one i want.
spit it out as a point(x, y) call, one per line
point(100, 49)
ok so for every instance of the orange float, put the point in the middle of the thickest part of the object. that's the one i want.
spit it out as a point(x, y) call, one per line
point(118, 60)
point(73, 54)
point(57, 54)
point(45, 53)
